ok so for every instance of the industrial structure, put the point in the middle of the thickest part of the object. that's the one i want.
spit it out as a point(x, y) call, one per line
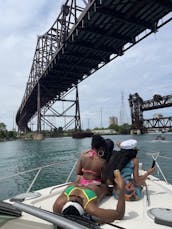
point(138, 106)
point(86, 35)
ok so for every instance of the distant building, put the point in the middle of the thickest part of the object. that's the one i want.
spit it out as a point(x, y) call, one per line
point(113, 120)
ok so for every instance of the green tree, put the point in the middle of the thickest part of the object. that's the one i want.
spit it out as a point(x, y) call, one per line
point(124, 129)
point(11, 134)
point(114, 127)
point(2, 126)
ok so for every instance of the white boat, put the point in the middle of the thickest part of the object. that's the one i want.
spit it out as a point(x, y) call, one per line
point(154, 211)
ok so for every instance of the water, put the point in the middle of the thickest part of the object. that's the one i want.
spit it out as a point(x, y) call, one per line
point(18, 156)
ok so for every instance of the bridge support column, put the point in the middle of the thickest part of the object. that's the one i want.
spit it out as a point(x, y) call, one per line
point(64, 109)
point(38, 110)
point(77, 112)
point(135, 102)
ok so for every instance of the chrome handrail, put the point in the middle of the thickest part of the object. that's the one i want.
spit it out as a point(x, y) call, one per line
point(70, 174)
point(27, 171)
point(68, 178)
point(38, 169)
point(155, 157)
point(33, 181)
point(56, 220)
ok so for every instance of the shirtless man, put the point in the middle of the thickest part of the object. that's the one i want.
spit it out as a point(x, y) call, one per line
point(76, 200)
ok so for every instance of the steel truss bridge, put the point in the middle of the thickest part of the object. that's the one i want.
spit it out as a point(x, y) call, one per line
point(86, 35)
point(138, 106)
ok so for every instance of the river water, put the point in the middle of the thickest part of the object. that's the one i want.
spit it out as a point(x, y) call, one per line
point(62, 153)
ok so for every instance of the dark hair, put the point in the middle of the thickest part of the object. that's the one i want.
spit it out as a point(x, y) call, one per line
point(98, 142)
point(71, 210)
point(109, 148)
point(118, 160)
point(110, 144)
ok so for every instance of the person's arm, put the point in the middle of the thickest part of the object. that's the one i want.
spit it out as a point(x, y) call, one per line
point(79, 166)
point(109, 215)
point(136, 170)
point(141, 179)
point(105, 215)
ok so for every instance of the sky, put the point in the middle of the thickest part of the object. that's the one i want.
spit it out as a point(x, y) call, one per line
point(146, 68)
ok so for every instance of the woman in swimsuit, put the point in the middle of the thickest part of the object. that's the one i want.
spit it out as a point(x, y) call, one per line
point(77, 200)
point(92, 162)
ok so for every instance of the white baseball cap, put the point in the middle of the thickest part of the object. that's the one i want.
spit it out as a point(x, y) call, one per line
point(74, 204)
point(128, 144)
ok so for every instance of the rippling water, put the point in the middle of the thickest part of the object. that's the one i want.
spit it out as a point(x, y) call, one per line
point(18, 156)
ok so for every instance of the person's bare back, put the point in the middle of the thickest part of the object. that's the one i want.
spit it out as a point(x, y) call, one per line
point(91, 162)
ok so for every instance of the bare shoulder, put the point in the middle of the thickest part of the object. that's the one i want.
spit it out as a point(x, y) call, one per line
point(85, 153)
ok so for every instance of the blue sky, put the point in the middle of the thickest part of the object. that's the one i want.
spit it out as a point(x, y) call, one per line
point(146, 68)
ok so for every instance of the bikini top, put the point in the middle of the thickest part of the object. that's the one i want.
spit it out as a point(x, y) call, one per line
point(88, 193)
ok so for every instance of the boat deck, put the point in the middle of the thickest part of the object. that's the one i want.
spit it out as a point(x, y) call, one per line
point(158, 195)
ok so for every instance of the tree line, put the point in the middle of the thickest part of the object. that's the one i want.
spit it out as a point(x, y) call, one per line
point(5, 134)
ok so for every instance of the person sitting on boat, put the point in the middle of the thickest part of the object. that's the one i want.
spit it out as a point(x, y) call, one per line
point(126, 161)
point(79, 200)
point(92, 162)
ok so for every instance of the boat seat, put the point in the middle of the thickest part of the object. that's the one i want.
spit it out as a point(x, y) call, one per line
point(161, 216)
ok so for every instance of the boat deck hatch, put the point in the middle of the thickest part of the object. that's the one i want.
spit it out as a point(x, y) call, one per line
point(161, 216)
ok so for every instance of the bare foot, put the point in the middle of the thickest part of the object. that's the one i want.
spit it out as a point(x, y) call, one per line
point(118, 179)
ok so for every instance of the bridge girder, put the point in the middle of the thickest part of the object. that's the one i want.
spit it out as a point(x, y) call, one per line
point(158, 123)
point(85, 36)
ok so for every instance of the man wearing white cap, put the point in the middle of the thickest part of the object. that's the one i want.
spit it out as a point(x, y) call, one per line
point(77, 200)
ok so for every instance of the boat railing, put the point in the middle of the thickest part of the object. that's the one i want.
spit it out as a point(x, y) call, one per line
point(38, 169)
point(57, 220)
point(155, 156)
point(68, 178)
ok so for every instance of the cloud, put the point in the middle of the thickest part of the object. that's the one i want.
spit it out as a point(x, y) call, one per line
point(145, 68)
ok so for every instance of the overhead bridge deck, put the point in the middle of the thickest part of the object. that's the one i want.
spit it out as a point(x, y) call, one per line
point(84, 38)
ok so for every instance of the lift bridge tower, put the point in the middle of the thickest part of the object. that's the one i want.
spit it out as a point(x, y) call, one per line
point(138, 106)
